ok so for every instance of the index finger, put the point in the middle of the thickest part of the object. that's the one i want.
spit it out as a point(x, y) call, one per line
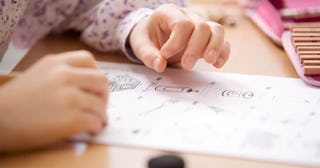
point(180, 28)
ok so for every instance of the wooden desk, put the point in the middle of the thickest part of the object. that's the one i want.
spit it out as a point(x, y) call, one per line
point(252, 53)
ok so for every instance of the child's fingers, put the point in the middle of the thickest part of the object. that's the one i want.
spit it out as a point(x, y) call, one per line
point(148, 53)
point(196, 45)
point(88, 123)
point(152, 58)
point(173, 21)
point(84, 102)
point(80, 100)
point(215, 44)
point(87, 111)
point(224, 56)
point(94, 105)
point(178, 39)
point(80, 58)
point(89, 79)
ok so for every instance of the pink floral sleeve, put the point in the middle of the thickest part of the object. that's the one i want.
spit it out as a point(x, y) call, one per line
point(104, 24)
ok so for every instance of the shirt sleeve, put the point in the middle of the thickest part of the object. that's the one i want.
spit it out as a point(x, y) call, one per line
point(112, 21)
point(104, 24)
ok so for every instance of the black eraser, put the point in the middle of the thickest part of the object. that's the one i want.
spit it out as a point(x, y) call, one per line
point(166, 161)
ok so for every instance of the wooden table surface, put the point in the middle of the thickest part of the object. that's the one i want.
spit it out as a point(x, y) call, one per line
point(251, 53)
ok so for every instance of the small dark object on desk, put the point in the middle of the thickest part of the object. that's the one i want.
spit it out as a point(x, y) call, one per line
point(166, 161)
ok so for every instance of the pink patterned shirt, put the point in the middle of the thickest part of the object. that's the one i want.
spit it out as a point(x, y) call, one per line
point(104, 24)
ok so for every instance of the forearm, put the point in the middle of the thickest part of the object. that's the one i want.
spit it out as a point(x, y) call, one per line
point(104, 25)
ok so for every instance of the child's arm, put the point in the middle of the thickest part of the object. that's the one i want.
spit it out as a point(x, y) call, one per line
point(104, 24)
point(58, 97)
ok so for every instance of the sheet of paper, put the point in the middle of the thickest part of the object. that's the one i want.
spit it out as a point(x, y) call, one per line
point(246, 116)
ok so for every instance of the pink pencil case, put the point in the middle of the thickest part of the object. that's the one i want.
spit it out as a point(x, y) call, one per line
point(276, 18)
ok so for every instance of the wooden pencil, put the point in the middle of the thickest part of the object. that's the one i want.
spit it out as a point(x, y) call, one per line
point(306, 29)
point(306, 39)
point(311, 62)
point(300, 34)
point(311, 69)
point(307, 44)
point(308, 48)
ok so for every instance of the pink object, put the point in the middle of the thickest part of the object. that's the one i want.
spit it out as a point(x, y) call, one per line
point(266, 15)
point(294, 58)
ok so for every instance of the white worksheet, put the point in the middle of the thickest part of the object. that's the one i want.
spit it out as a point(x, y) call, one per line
point(256, 117)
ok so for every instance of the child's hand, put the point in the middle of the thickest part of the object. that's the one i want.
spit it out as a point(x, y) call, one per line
point(60, 96)
point(172, 35)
